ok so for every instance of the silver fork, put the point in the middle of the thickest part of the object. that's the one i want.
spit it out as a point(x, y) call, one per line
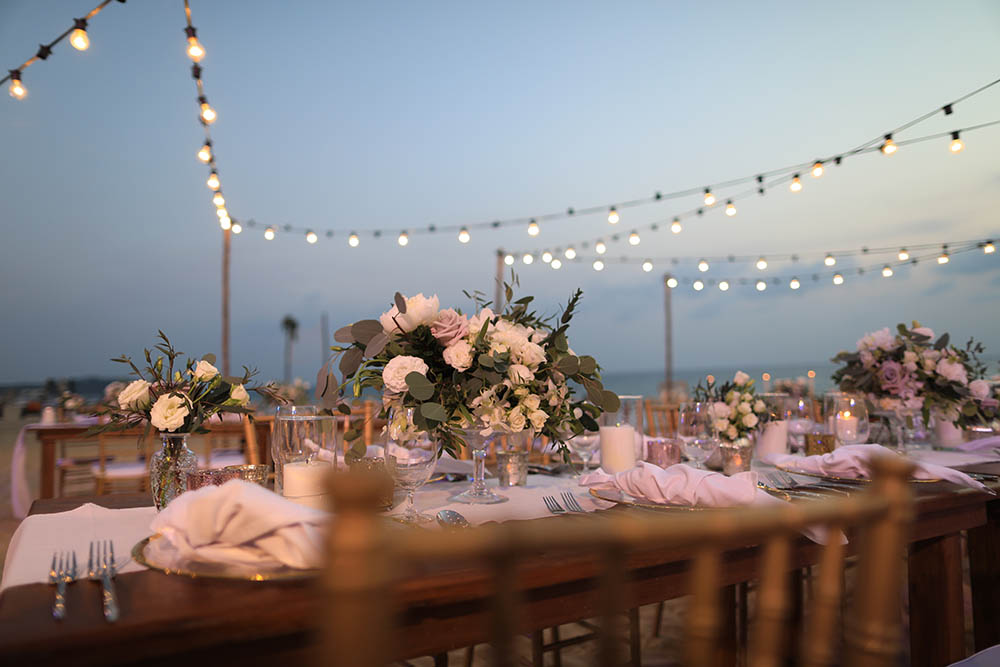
point(553, 505)
point(61, 574)
point(571, 502)
point(101, 567)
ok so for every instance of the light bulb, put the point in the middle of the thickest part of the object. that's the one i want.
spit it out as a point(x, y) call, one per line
point(226, 222)
point(269, 234)
point(598, 265)
point(761, 285)
point(724, 285)
point(221, 212)
point(633, 238)
point(943, 258)
point(838, 279)
point(675, 226)
point(205, 154)
point(903, 255)
point(703, 266)
point(570, 253)
point(647, 266)
point(546, 256)
point(698, 286)
point(213, 181)
point(600, 248)
point(78, 38)
point(956, 144)
point(218, 199)
point(829, 260)
point(527, 258)
point(886, 271)
point(613, 216)
point(237, 228)
point(463, 235)
point(403, 238)
point(709, 197)
point(311, 237)
point(817, 169)
point(671, 282)
point(889, 146)
point(195, 50)
point(17, 89)
point(208, 113)
point(761, 264)
point(508, 260)
point(533, 228)
point(989, 248)
point(556, 263)
point(353, 240)
point(794, 283)
point(730, 209)
point(796, 184)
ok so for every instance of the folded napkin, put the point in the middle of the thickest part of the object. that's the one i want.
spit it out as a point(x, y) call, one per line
point(980, 444)
point(854, 461)
point(242, 523)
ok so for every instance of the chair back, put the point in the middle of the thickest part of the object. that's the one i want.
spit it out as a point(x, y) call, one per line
point(661, 419)
point(373, 569)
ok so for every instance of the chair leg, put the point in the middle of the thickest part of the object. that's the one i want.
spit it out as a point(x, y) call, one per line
point(658, 623)
point(557, 651)
point(441, 660)
point(537, 650)
point(635, 646)
point(470, 655)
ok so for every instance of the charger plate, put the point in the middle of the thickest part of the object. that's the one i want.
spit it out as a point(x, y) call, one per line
point(621, 498)
point(156, 553)
point(785, 467)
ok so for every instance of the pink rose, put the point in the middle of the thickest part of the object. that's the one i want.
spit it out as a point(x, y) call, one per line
point(449, 327)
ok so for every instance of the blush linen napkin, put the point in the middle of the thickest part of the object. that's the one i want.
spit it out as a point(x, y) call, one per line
point(854, 461)
point(683, 485)
point(243, 524)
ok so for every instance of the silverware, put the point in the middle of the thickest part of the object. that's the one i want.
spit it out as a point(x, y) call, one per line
point(785, 482)
point(61, 574)
point(101, 567)
point(452, 519)
point(553, 505)
point(571, 502)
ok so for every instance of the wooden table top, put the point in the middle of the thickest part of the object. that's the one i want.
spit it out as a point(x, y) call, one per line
point(170, 618)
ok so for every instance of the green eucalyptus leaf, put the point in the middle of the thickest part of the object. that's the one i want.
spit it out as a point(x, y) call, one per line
point(376, 344)
point(610, 401)
point(210, 358)
point(587, 365)
point(358, 450)
point(350, 362)
point(353, 434)
point(589, 422)
point(344, 335)
point(400, 303)
point(419, 386)
point(344, 409)
point(434, 412)
point(365, 330)
point(485, 360)
point(568, 365)
point(942, 342)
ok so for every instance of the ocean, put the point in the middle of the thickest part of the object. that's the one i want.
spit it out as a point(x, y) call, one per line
point(647, 383)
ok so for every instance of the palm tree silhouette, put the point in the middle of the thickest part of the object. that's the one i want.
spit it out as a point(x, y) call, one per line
point(291, 328)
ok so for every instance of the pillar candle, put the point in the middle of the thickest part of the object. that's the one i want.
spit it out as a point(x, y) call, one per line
point(774, 439)
point(301, 479)
point(617, 448)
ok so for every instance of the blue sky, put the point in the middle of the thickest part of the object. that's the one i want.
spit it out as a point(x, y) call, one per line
point(393, 114)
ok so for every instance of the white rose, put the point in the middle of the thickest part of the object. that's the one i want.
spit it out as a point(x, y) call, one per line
point(419, 310)
point(721, 425)
point(238, 395)
point(980, 389)
point(458, 355)
point(538, 419)
point(476, 321)
point(883, 339)
point(740, 378)
point(531, 402)
point(720, 410)
point(747, 398)
point(952, 370)
point(732, 396)
point(532, 354)
point(520, 374)
point(744, 408)
point(395, 372)
point(750, 420)
point(516, 420)
point(731, 433)
point(759, 406)
point(168, 413)
point(135, 396)
point(909, 357)
point(929, 365)
point(204, 371)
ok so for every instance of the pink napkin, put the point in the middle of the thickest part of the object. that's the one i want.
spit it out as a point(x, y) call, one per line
point(853, 461)
point(979, 444)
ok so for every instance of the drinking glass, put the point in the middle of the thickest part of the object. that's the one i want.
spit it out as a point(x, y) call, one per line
point(800, 420)
point(304, 448)
point(847, 417)
point(478, 494)
point(584, 446)
point(621, 435)
point(410, 456)
point(694, 428)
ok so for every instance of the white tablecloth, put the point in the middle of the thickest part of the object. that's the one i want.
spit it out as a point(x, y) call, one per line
point(20, 492)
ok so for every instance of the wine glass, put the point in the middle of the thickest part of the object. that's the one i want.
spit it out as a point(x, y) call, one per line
point(584, 446)
point(800, 420)
point(694, 428)
point(410, 456)
point(847, 416)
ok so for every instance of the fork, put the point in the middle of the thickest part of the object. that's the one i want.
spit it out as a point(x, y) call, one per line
point(571, 502)
point(61, 574)
point(101, 567)
point(553, 505)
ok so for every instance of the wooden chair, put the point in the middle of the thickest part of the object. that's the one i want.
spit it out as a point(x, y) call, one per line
point(661, 419)
point(368, 564)
point(121, 464)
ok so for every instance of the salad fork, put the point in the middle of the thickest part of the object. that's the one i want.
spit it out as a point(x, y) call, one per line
point(553, 505)
point(101, 567)
point(61, 574)
point(571, 503)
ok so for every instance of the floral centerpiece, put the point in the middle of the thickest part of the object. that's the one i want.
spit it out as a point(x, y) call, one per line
point(295, 392)
point(176, 399)
point(70, 402)
point(471, 376)
point(911, 372)
point(736, 410)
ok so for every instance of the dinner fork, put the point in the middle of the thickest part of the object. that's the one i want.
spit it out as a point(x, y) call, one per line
point(571, 502)
point(553, 505)
point(101, 567)
point(60, 574)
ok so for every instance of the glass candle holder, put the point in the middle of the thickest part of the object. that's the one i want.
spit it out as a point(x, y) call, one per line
point(250, 472)
point(512, 468)
point(375, 466)
point(736, 456)
point(621, 435)
point(820, 443)
point(200, 478)
point(664, 452)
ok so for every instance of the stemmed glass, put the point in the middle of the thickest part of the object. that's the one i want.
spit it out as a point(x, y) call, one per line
point(584, 446)
point(478, 494)
point(800, 420)
point(847, 415)
point(694, 428)
point(410, 456)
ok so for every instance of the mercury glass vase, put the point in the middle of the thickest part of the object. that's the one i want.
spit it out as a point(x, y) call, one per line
point(169, 468)
point(478, 494)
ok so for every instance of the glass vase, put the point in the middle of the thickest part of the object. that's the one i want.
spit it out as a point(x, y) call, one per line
point(169, 468)
point(478, 494)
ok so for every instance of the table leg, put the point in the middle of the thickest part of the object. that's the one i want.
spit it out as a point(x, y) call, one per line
point(47, 488)
point(729, 639)
point(984, 554)
point(937, 619)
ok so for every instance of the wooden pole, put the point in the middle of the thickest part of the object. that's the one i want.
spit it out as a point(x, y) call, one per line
point(227, 237)
point(669, 334)
point(498, 287)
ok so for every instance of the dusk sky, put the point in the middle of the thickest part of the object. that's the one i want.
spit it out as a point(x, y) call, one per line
point(389, 115)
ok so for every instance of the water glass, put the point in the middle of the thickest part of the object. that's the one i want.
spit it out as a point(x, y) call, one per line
point(621, 435)
point(584, 446)
point(411, 459)
point(694, 428)
point(512, 467)
point(800, 420)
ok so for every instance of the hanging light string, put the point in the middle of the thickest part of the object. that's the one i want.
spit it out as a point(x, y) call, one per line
point(79, 39)
point(673, 223)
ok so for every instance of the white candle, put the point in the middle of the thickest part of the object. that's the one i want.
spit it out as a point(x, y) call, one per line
point(617, 448)
point(301, 479)
point(847, 428)
point(774, 439)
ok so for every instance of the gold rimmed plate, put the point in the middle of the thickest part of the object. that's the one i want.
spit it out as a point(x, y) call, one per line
point(622, 498)
point(156, 553)
point(784, 467)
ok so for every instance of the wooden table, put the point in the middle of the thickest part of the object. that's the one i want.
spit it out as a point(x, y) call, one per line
point(174, 620)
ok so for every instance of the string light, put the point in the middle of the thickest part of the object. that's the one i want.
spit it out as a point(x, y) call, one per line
point(556, 263)
point(463, 235)
point(709, 197)
point(796, 184)
point(794, 283)
point(675, 226)
point(598, 265)
point(208, 115)
point(956, 144)
point(218, 199)
point(78, 38)
point(943, 258)
point(838, 279)
point(225, 222)
point(613, 216)
point(205, 153)
point(221, 212)
point(403, 238)
point(508, 260)
point(237, 228)
point(17, 89)
point(671, 282)
point(730, 208)
point(817, 169)
point(353, 240)
point(724, 285)
point(703, 266)
point(761, 285)
point(647, 266)
point(903, 255)
point(533, 228)
point(829, 260)
point(633, 238)
point(195, 50)
point(888, 146)
point(761, 264)
point(887, 271)
point(546, 256)
point(600, 248)
point(269, 234)
point(570, 253)
point(698, 286)
point(311, 237)
point(527, 258)
point(989, 248)
point(213, 181)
